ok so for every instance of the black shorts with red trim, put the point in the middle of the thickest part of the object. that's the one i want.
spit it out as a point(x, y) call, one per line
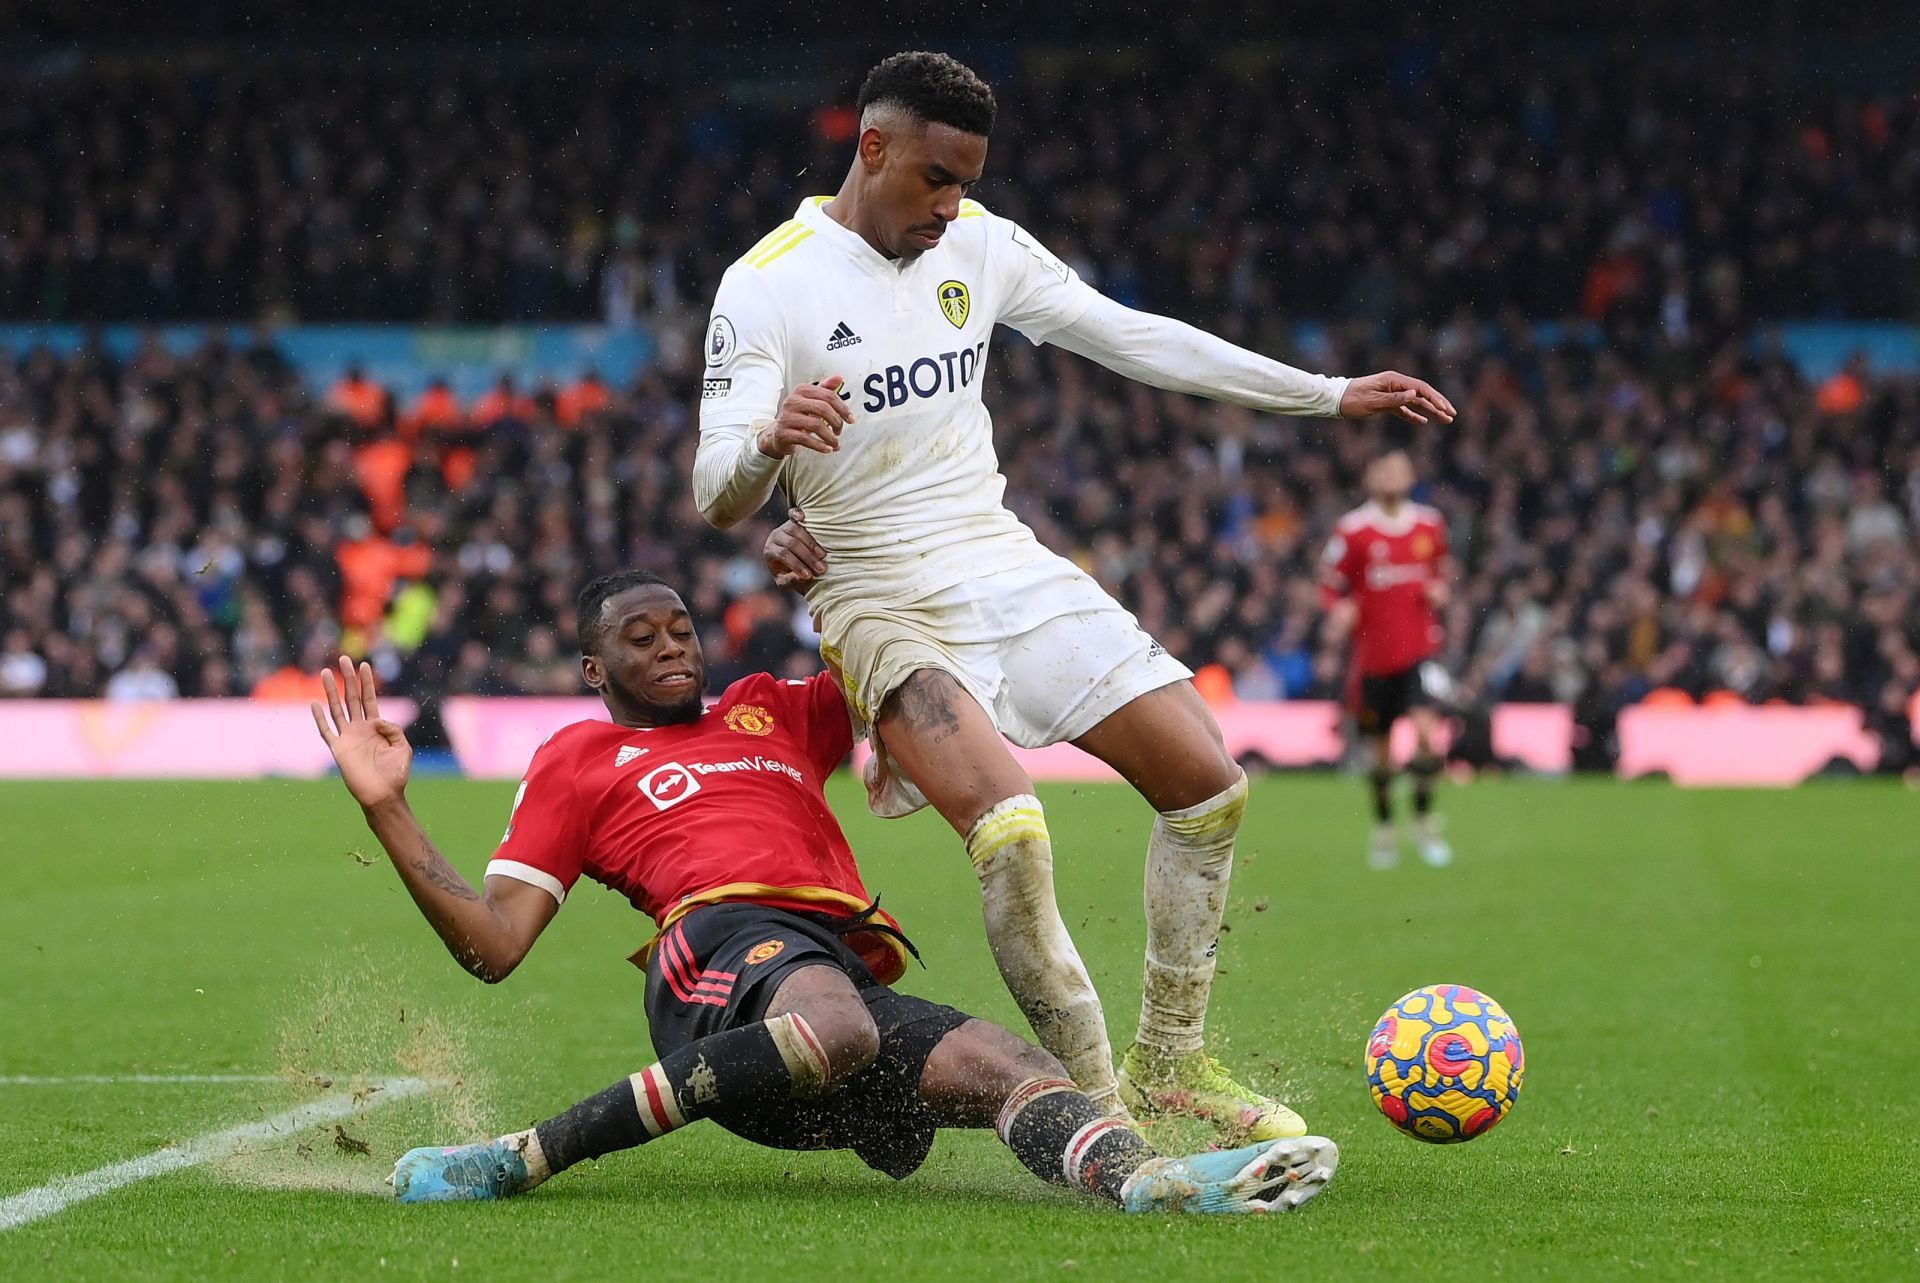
point(1382, 699)
point(717, 969)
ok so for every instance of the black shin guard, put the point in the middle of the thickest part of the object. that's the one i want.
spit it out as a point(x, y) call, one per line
point(1063, 1137)
point(1381, 777)
point(1425, 770)
point(778, 1057)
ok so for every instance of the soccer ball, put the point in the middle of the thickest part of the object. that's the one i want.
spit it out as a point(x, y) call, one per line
point(1445, 1064)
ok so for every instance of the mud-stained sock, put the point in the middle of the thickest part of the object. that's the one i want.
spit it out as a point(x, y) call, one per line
point(1062, 1137)
point(1189, 860)
point(778, 1058)
point(1012, 856)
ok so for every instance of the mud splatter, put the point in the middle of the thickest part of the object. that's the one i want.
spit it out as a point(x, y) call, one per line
point(346, 1029)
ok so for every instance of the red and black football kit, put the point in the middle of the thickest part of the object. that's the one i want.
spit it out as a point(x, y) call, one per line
point(1385, 564)
point(719, 830)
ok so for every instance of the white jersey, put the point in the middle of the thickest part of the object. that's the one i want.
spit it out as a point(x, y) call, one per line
point(911, 502)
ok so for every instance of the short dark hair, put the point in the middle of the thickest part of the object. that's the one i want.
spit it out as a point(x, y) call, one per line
point(589, 607)
point(934, 87)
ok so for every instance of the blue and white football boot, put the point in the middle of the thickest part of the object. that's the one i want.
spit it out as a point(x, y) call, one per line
point(461, 1173)
point(1271, 1176)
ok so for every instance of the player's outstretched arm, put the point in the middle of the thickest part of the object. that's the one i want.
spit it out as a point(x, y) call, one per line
point(489, 933)
point(1164, 353)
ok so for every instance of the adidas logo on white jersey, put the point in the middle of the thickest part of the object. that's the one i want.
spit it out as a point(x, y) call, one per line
point(842, 336)
point(626, 754)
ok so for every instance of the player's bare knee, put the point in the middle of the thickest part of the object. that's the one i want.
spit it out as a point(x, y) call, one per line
point(1029, 1061)
point(848, 1037)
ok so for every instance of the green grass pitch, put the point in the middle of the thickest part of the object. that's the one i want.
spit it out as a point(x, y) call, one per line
point(1717, 993)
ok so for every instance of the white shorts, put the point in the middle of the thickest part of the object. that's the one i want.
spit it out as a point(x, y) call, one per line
point(1041, 647)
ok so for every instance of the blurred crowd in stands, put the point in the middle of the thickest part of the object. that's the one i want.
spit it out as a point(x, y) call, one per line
point(1719, 530)
point(1388, 185)
point(1646, 498)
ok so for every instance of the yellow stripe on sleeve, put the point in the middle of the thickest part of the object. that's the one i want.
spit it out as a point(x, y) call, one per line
point(771, 238)
point(767, 256)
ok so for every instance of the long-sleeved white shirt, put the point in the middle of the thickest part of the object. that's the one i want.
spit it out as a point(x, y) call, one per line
point(911, 502)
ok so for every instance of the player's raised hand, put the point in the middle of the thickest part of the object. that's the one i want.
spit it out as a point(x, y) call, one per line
point(793, 555)
point(810, 419)
point(1392, 392)
point(372, 753)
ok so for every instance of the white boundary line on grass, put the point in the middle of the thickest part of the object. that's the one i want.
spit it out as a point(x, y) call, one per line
point(115, 1080)
point(55, 1196)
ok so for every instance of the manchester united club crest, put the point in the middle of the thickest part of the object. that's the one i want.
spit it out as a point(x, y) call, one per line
point(955, 303)
point(749, 719)
point(765, 951)
point(1422, 546)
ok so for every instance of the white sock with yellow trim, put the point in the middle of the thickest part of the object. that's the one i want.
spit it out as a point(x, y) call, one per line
point(1189, 860)
point(1012, 855)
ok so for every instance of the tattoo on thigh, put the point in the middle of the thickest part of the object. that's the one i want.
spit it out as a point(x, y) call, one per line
point(925, 704)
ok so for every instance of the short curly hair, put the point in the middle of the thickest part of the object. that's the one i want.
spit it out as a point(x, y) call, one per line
point(933, 87)
point(590, 608)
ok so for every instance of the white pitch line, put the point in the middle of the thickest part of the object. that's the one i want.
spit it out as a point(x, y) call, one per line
point(115, 1080)
point(55, 1196)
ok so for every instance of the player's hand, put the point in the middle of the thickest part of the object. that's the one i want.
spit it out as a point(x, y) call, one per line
point(372, 753)
point(793, 555)
point(1439, 593)
point(1340, 619)
point(1395, 393)
point(810, 419)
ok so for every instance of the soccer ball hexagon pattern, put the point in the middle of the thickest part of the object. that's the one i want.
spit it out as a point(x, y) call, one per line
point(1445, 1064)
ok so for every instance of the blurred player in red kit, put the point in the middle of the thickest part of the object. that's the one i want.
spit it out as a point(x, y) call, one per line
point(1385, 578)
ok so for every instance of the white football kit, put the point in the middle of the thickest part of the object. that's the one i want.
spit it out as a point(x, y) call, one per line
point(926, 567)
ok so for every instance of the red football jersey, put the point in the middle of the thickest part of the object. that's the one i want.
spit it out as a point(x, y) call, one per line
point(1385, 565)
point(730, 807)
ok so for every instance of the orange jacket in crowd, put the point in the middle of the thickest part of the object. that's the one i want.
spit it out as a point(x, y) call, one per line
point(369, 569)
point(588, 396)
point(359, 398)
point(503, 403)
point(436, 409)
point(292, 684)
point(381, 468)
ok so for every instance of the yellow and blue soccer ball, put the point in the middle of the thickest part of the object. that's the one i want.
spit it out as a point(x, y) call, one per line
point(1445, 1064)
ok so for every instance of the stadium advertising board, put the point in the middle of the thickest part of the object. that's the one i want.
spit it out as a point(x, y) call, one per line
point(189, 738)
point(493, 738)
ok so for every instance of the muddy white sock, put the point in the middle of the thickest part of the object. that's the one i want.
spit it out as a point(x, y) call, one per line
point(1013, 857)
point(1189, 860)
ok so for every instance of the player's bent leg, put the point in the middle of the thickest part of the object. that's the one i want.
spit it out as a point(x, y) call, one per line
point(940, 736)
point(1425, 770)
point(835, 1015)
point(982, 1075)
point(1168, 746)
point(779, 1057)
